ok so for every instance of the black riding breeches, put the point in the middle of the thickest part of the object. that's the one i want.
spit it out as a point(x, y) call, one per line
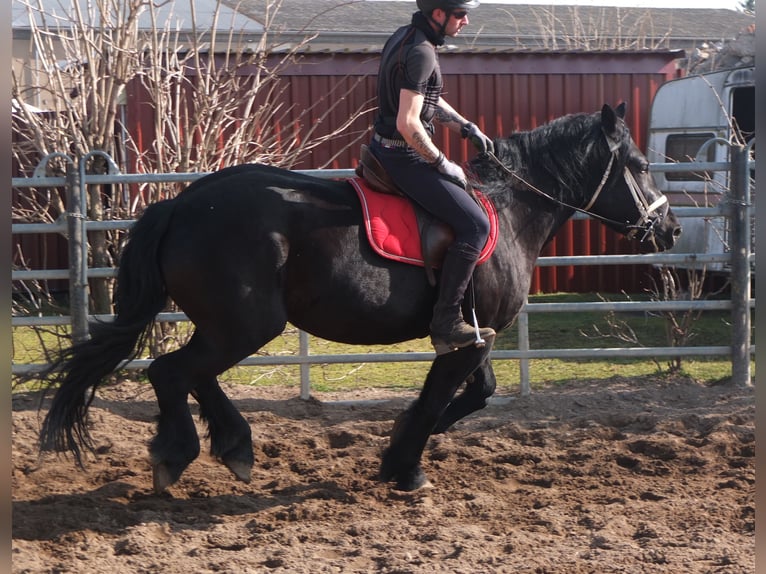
point(435, 193)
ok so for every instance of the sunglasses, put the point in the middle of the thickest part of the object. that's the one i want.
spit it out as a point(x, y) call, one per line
point(460, 14)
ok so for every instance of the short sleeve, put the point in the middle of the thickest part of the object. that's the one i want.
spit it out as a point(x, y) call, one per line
point(419, 66)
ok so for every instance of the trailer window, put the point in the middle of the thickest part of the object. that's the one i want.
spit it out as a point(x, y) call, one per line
point(684, 148)
point(743, 110)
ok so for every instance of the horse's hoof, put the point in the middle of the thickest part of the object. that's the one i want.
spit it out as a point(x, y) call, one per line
point(412, 481)
point(427, 485)
point(408, 484)
point(162, 478)
point(240, 469)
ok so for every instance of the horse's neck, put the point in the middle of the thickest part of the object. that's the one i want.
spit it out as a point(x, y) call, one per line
point(530, 224)
point(529, 209)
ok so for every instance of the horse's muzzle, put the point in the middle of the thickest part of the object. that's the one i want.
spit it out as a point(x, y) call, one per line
point(663, 232)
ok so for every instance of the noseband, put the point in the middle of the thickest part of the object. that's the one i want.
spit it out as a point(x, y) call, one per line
point(647, 218)
point(646, 221)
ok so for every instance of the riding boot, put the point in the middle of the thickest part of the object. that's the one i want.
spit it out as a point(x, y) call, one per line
point(449, 331)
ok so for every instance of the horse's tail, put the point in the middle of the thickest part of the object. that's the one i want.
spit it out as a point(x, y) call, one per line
point(139, 295)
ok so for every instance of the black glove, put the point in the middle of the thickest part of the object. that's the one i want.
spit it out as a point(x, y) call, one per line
point(451, 170)
point(478, 138)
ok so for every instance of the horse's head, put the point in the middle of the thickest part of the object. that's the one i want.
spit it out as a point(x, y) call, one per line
point(627, 198)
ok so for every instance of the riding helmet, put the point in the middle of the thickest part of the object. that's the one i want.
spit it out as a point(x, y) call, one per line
point(428, 6)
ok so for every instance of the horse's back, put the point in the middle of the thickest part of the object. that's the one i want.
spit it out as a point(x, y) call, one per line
point(245, 230)
point(239, 208)
point(248, 179)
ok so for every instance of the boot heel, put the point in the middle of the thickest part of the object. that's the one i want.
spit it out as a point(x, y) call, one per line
point(443, 348)
point(478, 340)
point(482, 335)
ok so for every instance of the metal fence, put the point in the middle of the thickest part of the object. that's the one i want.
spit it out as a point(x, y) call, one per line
point(737, 208)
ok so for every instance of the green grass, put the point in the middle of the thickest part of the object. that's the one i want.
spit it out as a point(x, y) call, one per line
point(546, 331)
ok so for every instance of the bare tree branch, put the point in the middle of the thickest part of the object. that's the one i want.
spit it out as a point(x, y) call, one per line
point(217, 94)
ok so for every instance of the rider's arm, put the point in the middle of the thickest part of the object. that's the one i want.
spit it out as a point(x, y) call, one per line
point(409, 125)
point(448, 116)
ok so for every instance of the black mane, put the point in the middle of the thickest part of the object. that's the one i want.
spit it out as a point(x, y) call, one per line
point(554, 155)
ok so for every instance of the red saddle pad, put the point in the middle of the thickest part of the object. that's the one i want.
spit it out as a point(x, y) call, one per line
point(392, 227)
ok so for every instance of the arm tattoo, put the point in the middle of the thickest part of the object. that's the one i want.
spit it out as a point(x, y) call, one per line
point(445, 116)
point(425, 147)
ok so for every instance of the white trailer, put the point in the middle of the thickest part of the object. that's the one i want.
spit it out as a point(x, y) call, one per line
point(685, 114)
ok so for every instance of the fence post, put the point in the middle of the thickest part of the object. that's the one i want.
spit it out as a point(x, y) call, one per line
point(523, 320)
point(740, 266)
point(78, 261)
point(303, 351)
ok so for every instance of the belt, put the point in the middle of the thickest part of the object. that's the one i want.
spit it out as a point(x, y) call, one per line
point(388, 142)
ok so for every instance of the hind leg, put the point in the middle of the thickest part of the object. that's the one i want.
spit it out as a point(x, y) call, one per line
point(230, 437)
point(176, 443)
point(252, 323)
point(193, 370)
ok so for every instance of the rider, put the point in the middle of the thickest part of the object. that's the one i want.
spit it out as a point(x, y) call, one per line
point(409, 101)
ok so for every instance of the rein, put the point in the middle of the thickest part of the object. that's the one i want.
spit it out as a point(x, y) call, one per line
point(645, 209)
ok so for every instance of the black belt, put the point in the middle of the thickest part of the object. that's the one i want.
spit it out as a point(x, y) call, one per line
point(388, 142)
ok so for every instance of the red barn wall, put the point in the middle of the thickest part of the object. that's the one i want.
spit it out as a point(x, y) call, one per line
point(503, 92)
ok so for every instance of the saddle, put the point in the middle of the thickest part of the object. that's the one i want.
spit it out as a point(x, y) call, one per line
point(435, 235)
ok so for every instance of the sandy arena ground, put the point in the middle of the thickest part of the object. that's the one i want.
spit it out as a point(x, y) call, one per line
point(628, 476)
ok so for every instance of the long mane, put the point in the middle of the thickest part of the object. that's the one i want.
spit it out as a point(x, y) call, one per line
point(556, 157)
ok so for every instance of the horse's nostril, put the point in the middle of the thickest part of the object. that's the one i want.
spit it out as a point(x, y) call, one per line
point(677, 232)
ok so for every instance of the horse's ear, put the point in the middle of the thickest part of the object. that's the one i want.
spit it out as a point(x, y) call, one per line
point(608, 119)
point(621, 110)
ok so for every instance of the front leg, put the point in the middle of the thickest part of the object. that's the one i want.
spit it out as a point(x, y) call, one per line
point(401, 460)
point(480, 385)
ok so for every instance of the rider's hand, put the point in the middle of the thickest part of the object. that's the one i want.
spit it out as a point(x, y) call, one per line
point(482, 142)
point(452, 170)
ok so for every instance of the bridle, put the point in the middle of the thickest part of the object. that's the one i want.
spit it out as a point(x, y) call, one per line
point(647, 219)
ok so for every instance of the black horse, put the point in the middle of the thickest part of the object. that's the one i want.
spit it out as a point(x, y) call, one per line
point(246, 249)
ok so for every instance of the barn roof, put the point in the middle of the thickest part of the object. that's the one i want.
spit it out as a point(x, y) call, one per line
point(363, 25)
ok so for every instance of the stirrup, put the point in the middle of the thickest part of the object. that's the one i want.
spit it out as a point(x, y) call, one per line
point(479, 342)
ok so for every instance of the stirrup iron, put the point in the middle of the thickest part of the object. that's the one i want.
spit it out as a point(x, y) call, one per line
point(479, 342)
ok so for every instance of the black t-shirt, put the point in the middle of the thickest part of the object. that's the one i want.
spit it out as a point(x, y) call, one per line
point(409, 61)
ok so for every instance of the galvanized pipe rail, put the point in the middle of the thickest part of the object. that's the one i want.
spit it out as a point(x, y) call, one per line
point(76, 227)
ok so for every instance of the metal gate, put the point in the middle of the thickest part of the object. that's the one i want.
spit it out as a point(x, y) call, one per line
point(738, 209)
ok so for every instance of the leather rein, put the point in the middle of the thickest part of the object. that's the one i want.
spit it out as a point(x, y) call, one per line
point(645, 209)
